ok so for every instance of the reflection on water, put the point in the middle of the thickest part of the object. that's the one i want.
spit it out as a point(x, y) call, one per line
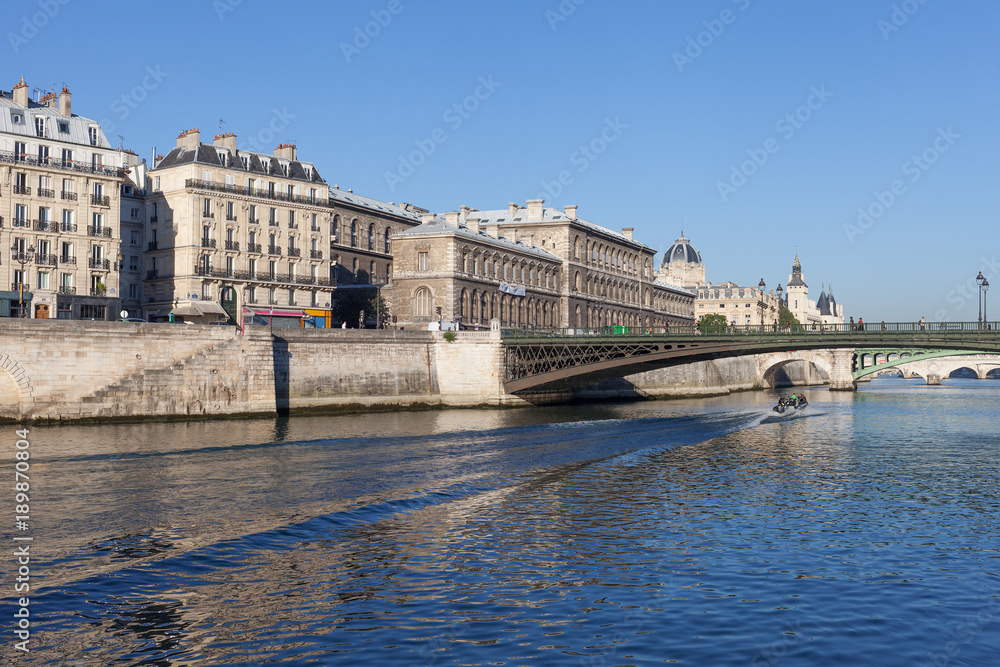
point(859, 532)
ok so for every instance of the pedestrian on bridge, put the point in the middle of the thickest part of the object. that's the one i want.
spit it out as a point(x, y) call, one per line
point(922, 322)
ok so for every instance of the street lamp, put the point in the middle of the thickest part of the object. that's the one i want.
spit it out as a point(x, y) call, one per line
point(778, 291)
point(979, 281)
point(763, 304)
point(22, 257)
point(985, 286)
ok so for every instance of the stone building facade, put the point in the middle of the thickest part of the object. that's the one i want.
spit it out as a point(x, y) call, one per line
point(531, 267)
point(824, 311)
point(741, 306)
point(258, 238)
point(59, 209)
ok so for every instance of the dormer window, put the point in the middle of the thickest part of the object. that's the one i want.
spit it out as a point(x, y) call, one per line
point(17, 118)
point(39, 126)
point(63, 127)
point(93, 135)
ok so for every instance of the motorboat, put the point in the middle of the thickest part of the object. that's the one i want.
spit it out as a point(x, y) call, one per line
point(793, 402)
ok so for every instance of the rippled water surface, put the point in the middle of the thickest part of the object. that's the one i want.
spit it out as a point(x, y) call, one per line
point(863, 530)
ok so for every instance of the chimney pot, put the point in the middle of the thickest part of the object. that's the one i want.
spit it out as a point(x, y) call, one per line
point(65, 106)
point(20, 93)
point(189, 139)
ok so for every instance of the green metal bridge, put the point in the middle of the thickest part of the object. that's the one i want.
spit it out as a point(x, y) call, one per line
point(544, 360)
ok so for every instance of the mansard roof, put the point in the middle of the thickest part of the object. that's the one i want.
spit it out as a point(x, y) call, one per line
point(439, 225)
point(257, 163)
point(550, 215)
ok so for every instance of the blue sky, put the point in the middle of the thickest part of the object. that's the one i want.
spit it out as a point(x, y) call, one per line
point(756, 126)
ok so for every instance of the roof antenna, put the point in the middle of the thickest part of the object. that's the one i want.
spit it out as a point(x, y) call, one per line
point(121, 142)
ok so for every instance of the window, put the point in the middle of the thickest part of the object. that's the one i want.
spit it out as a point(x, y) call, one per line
point(93, 135)
point(98, 221)
point(39, 126)
point(421, 261)
point(97, 161)
point(43, 280)
point(335, 229)
point(371, 237)
point(291, 219)
point(206, 176)
point(68, 221)
point(20, 150)
point(156, 183)
point(152, 212)
point(43, 154)
point(230, 210)
point(422, 302)
point(88, 312)
point(291, 296)
point(63, 127)
point(135, 214)
point(17, 118)
point(133, 263)
point(386, 245)
point(133, 291)
point(273, 217)
point(67, 253)
point(206, 209)
point(354, 233)
point(253, 213)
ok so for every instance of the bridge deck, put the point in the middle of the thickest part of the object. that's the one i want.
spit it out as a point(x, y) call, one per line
point(552, 359)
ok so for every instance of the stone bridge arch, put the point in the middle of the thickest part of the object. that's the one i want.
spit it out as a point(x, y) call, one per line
point(768, 365)
point(940, 368)
point(15, 388)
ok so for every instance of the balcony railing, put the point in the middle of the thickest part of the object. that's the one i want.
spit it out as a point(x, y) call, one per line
point(253, 247)
point(152, 245)
point(100, 200)
point(208, 243)
point(17, 287)
point(254, 221)
point(272, 223)
point(273, 250)
point(22, 257)
point(46, 259)
point(316, 254)
point(232, 245)
point(315, 228)
point(98, 231)
point(66, 289)
point(21, 222)
point(197, 183)
point(294, 252)
point(293, 225)
point(153, 218)
point(22, 190)
point(67, 227)
point(98, 292)
point(67, 259)
point(67, 165)
point(100, 264)
point(71, 196)
point(45, 226)
point(208, 214)
point(230, 218)
point(44, 192)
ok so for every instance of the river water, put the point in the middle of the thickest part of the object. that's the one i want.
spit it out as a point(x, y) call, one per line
point(862, 530)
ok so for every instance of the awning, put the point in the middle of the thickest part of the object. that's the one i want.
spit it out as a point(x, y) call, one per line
point(162, 312)
point(209, 308)
point(277, 313)
point(185, 310)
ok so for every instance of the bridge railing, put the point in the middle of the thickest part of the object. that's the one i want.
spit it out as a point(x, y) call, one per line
point(673, 330)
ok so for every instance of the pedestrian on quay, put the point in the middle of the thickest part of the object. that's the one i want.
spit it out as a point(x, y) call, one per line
point(852, 322)
point(922, 322)
point(861, 324)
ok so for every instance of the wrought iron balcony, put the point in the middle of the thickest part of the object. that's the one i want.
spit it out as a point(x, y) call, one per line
point(44, 192)
point(208, 214)
point(152, 274)
point(46, 259)
point(66, 289)
point(230, 218)
point(98, 231)
point(68, 227)
point(17, 287)
point(45, 226)
point(68, 259)
point(153, 218)
point(316, 254)
point(315, 228)
point(208, 243)
point(293, 225)
point(272, 223)
point(273, 250)
point(98, 292)
point(232, 245)
point(100, 264)
point(67, 165)
point(152, 245)
point(71, 196)
point(100, 200)
point(253, 247)
point(294, 252)
point(22, 190)
point(254, 221)
point(22, 257)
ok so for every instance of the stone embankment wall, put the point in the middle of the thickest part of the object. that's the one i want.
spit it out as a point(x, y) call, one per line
point(55, 370)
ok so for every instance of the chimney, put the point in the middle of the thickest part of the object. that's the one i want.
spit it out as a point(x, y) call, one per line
point(465, 212)
point(493, 231)
point(227, 140)
point(64, 102)
point(286, 151)
point(189, 139)
point(627, 231)
point(571, 211)
point(512, 209)
point(472, 224)
point(451, 217)
point(535, 209)
point(21, 93)
point(427, 217)
point(513, 234)
point(50, 100)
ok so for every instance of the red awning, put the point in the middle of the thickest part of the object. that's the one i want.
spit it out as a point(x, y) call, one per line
point(276, 313)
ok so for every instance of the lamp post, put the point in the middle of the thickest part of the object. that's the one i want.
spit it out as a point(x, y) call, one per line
point(979, 281)
point(22, 257)
point(985, 286)
point(763, 303)
point(778, 291)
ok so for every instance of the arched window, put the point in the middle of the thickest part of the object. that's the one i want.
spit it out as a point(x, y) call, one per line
point(422, 302)
point(371, 237)
point(386, 242)
point(335, 229)
point(461, 304)
point(354, 233)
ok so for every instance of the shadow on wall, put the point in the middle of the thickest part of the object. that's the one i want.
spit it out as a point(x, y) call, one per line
point(795, 373)
point(10, 397)
point(281, 369)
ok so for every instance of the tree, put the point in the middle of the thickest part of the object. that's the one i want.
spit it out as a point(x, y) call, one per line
point(713, 323)
point(785, 317)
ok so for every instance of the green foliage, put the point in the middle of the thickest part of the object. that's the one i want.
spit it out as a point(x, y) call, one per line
point(713, 323)
point(350, 302)
point(449, 336)
point(785, 317)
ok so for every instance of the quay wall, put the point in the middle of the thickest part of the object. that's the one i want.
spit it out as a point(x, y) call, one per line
point(70, 370)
